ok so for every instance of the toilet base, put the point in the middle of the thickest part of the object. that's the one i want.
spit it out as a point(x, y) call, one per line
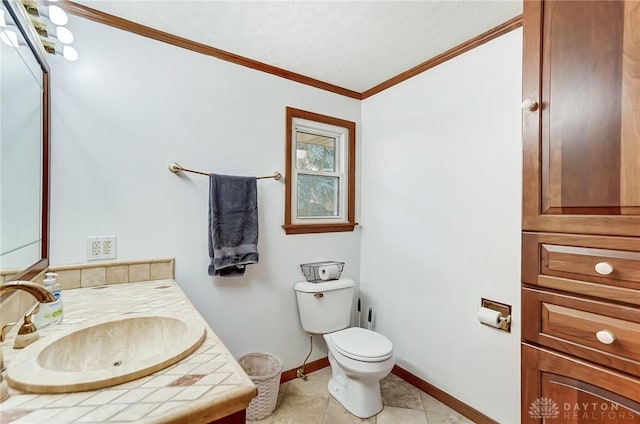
point(361, 400)
point(359, 395)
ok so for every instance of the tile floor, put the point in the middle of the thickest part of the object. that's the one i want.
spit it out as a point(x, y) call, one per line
point(308, 402)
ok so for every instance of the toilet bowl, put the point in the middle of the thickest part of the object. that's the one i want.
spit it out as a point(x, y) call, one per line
point(359, 359)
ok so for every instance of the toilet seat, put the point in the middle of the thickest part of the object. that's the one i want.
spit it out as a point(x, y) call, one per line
point(361, 345)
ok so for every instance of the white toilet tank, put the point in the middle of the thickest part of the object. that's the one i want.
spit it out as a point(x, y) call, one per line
point(325, 307)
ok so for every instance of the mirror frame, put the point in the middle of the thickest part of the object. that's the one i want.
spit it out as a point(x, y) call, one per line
point(21, 19)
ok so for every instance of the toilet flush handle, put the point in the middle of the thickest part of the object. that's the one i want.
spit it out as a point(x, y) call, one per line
point(319, 295)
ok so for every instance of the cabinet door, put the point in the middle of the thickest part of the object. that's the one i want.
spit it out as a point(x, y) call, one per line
point(582, 139)
point(560, 389)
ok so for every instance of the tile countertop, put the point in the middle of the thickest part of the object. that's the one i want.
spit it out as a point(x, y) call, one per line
point(205, 386)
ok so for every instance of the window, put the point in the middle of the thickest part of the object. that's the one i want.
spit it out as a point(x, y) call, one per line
point(320, 168)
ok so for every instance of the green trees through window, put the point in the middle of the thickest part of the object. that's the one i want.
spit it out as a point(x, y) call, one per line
point(317, 194)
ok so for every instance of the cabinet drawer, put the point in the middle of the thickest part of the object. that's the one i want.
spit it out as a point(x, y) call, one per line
point(598, 331)
point(575, 391)
point(606, 267)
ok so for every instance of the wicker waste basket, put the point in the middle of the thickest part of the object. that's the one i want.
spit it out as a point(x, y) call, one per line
point(264, 369)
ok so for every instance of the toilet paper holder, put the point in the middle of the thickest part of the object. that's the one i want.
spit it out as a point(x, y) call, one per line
point(503, 309)
point(314, 271)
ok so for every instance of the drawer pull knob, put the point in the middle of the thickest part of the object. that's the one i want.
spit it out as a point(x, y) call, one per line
point(605, 336)
point(530, 105)
point(604, 268)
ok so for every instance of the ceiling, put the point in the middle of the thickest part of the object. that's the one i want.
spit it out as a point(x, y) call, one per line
point(352, 44)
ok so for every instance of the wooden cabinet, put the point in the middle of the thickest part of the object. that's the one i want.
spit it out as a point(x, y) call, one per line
point(581, 212)
point(582, 142)
point(559, 388)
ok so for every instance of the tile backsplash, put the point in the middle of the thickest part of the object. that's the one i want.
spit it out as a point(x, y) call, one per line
point(104, 273)
point(87, 275)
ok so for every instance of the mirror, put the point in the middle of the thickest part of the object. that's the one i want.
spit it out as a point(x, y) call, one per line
point(24, 147)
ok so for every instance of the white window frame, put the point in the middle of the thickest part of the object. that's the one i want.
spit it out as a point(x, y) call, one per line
point(341, 137)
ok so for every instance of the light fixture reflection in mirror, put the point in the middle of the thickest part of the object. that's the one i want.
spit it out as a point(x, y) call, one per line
point(69, 53)
point(48, 22)
point(66, 51)
point(57, 15)
point(64, 35)
point(53, 12)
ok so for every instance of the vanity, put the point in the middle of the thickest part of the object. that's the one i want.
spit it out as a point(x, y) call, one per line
point(207, 386)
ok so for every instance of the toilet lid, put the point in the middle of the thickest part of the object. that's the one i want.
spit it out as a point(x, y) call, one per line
point(362, 345)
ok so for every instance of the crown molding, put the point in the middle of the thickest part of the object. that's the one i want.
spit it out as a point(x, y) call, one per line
point(148, 32)
point(481, 39)
point(152, 33)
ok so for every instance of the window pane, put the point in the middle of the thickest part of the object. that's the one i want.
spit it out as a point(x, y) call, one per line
point(315, 152)
point(317, 196)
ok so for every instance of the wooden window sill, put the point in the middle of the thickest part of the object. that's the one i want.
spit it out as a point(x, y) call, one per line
point(318, 228)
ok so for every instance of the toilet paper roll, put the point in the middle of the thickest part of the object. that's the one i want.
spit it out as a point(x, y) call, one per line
point(489, 317)
point(329, 272)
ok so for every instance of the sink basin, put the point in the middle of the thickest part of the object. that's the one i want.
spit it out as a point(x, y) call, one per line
point(105, 352)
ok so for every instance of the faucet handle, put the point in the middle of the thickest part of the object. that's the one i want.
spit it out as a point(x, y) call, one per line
point(4, 329)
point(32, 310)
point(28, 332)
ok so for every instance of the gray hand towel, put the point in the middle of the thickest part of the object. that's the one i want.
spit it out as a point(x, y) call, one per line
point(233, 224)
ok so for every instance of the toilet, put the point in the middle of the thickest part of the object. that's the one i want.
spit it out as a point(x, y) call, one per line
point(359, 358)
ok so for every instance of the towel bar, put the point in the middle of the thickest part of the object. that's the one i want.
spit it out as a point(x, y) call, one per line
point(176, 167)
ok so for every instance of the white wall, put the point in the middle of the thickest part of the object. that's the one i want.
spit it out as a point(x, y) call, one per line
point(126, 109)
point(441, 190)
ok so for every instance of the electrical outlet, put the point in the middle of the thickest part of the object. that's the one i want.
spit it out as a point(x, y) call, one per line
point(109, 247)
point(101, 247)
point(95, 248)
